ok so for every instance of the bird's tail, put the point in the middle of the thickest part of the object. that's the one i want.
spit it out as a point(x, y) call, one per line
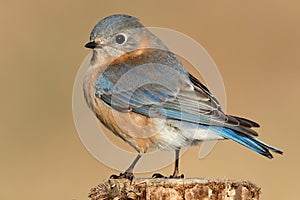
point(247, 141)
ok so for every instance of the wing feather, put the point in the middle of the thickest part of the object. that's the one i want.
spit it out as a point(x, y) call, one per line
point(170, 92)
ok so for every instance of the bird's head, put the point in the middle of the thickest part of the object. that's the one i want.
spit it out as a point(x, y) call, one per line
point(119, 34)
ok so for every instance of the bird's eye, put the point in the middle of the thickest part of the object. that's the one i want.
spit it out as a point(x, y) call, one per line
point(120, 39)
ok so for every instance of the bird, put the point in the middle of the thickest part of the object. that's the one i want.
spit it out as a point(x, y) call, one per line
point(142, 93)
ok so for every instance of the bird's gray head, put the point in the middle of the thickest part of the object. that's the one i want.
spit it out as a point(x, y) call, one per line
point(113, 24)
point(121, 33)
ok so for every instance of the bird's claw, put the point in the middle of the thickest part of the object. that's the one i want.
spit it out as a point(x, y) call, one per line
point(178, 177)
point(158, 175)
point(125, 175)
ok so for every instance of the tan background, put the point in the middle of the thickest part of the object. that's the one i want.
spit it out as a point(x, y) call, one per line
point(255, 44)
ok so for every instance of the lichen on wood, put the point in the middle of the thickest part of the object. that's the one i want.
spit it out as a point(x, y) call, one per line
point(181, 189)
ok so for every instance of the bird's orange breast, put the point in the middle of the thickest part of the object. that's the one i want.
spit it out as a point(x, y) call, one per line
point(138, 130)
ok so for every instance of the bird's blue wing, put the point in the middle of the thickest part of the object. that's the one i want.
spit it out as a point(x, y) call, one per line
point(162, 88)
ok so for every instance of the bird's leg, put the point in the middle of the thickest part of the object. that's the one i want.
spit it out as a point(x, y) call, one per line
point(131, 167)
point(176, 169)
point(129, 172)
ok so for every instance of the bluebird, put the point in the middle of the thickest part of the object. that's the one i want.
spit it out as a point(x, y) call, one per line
point(143, 94)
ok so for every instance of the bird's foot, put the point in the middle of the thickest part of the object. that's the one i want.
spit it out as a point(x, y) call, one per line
point(125, 175)
point(158, 175)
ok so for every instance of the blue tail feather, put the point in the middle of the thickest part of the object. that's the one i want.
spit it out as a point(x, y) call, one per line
point(247, 141)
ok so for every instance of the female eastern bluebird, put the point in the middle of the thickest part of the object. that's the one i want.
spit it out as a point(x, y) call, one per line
point(141, 92)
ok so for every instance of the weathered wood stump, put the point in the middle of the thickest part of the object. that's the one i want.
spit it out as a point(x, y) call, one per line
point(154, 189)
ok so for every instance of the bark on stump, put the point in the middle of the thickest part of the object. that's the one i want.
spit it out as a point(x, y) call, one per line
point(154, 189)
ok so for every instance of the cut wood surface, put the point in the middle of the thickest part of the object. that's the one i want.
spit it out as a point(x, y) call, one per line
point(164, 189)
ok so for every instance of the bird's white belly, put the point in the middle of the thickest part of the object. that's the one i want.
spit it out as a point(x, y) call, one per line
point(175, 134)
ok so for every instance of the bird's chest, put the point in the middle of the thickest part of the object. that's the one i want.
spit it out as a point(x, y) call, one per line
point(139, 131)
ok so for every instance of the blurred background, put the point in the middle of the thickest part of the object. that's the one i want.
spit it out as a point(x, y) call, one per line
point(255, 44)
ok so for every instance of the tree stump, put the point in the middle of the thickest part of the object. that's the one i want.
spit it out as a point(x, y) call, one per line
point(164, 189)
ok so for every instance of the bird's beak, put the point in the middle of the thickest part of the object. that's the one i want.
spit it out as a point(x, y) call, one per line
point(91, 45)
